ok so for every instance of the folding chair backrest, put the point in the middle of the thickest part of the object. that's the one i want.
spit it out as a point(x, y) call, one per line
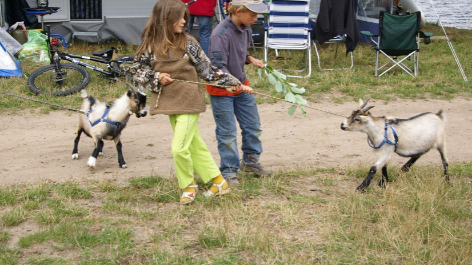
point(288, 23)
point(398, 33)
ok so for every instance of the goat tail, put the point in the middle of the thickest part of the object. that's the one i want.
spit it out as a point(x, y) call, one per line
point(442, 116)
point(84, 93)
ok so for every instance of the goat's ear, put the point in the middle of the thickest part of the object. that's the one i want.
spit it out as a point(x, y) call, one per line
point(130, 93)
point(361, 102)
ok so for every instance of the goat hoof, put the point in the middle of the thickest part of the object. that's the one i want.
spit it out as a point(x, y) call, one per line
point(361, 188)
point(75, 156)
point(100, 154)
point(124, 166)
point(91, 162)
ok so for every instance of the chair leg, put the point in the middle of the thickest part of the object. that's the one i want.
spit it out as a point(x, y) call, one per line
point(377, 63)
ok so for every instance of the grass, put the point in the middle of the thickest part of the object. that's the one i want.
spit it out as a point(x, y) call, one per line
point(298, 216)
point(303, 216)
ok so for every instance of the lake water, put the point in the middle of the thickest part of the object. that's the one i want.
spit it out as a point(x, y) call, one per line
point(452, 13)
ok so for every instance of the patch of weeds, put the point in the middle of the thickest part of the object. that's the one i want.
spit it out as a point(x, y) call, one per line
point(308, 199)
point(226, 260)
point(462, 170)
point(108, 186)
point(8, 196)
point(47, 216)
point(4, 236)
point(31, 205)
point(66, 208)
point(45, 260)
point(36, 193)
point(9, 256)
point(73, 191)
point(251, 186)
point(278, 187)
point(329, 182)
point(124, 195)
point(146, 182)
point(14, 216)
point(211, 237)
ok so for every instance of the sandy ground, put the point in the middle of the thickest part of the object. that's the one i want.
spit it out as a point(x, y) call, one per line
point(38, 147)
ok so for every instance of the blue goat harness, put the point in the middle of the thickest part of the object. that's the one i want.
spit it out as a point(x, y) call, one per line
point(102, 119)
point(386, 140)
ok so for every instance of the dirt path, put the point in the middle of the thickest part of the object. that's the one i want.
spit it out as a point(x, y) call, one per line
point(39, 146)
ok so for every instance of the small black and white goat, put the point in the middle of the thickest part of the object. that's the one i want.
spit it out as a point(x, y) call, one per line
point(410, 137)
point(105, 122)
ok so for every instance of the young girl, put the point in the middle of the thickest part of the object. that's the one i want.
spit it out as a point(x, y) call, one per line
point(166, 53)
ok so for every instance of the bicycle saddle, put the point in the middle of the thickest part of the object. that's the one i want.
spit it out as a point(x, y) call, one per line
point(108, 53)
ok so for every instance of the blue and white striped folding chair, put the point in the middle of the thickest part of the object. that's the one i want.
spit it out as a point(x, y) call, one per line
point(288, 29)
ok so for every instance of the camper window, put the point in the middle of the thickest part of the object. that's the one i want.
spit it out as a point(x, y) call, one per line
point(86, 9)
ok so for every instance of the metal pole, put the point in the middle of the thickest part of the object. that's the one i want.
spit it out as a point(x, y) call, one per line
point(450, 45)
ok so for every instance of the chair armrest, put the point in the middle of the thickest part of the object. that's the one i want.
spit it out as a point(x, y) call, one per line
point(426, 34)
point(366, 32)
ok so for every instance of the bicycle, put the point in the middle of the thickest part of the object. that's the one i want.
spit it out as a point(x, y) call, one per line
point(62, 79)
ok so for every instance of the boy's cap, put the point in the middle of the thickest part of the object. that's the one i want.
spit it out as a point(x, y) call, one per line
point(257, 6)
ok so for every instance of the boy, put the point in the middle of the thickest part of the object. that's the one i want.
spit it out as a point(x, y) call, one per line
point(229, 43)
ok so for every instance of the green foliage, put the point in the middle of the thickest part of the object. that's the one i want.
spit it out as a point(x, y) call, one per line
point(291, 90)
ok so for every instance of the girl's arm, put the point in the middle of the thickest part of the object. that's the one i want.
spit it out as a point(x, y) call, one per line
point(204, 68)
point(143, 73)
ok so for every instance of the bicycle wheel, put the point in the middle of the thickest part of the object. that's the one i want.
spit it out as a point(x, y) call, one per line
point(46, 80)
point(122, 65)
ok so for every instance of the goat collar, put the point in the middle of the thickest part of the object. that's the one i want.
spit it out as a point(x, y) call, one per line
point(386, 140)
point(104, 120)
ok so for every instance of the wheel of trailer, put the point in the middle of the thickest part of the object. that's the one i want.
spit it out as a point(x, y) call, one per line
point(48, 80)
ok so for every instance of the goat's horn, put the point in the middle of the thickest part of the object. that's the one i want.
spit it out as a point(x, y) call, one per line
point(132, 87)
point(363, 105)
point(366, 109)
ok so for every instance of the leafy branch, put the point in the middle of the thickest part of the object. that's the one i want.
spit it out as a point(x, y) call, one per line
point(292, 91)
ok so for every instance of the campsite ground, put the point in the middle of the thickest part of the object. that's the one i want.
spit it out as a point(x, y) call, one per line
point(39, 146)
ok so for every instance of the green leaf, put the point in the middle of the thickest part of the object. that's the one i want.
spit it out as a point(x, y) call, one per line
point(272, 79)
point(300, 100)
point(292, 84)
point(303, 110)
point(279, 75)
point(259, 72)
point(279, 86)
point(290, 97)
point(297, 90)
point(292, 109)
point(269, 68)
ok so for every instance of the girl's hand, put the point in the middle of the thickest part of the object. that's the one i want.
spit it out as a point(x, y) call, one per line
point(247, 89)
point(165, 79)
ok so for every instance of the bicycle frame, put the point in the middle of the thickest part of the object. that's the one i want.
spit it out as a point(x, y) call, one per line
point(56, 56)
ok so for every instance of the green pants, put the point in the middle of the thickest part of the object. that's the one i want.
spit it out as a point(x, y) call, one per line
point(190, 152)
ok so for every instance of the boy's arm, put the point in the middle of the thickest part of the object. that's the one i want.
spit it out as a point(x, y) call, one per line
point(207, 71)
point(143, 73)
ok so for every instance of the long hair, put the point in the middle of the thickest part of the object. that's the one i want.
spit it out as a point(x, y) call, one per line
point(158, 34)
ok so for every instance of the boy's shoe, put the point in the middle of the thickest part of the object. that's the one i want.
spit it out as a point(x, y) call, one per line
point(232, 180)
point(256, 168)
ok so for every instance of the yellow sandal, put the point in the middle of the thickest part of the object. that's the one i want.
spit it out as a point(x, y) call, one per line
point(188, 197)
point(221, 191)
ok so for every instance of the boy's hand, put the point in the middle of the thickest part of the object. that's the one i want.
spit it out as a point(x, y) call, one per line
point(255, 62)
point(165, 79)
